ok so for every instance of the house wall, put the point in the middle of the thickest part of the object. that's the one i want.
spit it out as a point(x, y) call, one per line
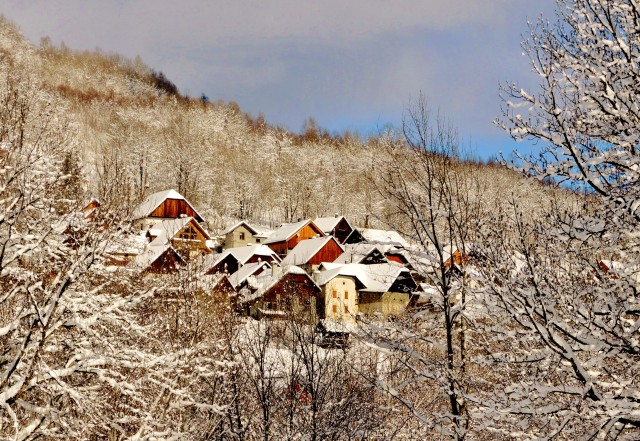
point(172, 208)
point(294, 292)
point(346, 296)
point(234, 239)
point(328, 253)
point(307, 232)
point(190, 242)
point(388, 303)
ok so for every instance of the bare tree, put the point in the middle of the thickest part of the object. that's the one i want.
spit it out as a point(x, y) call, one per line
point(429, 198)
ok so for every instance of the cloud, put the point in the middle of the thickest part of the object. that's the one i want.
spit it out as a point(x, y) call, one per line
point(348, 63)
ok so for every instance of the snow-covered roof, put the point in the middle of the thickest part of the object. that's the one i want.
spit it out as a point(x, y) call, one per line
point(327, 224)
point(267, 280)
point(167, 229)
point(306, 249)
point(242, 254)
point(153, 201)
point(128, 244)
point(151, 254)
point(236, 225)
point(355, 253)
point(286, 231)
point(376, 278)
point(388, 237)
point(245, 271)
point(344, 271)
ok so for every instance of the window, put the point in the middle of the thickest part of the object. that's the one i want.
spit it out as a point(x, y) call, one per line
point(335, 294)
point(189, 233)
point(241, 236)
point(257, 240)
point(346, 295)
point(335, 308)
point(346, 310)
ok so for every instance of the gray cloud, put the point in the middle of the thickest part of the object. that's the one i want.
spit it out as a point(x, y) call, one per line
point(350, 64)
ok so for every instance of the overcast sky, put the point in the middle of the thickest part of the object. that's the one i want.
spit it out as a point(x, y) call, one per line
point(351, 64)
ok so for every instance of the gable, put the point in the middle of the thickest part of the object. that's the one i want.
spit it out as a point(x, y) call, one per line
point(290, 285)
point(171, 208)
point(295, 231)
point(228, 264)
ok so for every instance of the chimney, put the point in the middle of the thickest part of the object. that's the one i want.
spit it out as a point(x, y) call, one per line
point(275, 269)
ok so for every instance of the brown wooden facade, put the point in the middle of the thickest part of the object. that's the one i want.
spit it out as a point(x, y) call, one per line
point(168, 262)
point(309, 231)
point(342, 230)
point(328, 253)
point(173, 208)
point(292, 293)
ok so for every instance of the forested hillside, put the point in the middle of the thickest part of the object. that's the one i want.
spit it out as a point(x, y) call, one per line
point(134, 134)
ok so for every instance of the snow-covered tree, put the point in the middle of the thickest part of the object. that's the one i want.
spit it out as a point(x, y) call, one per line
point(569, 281)
point(79, 357)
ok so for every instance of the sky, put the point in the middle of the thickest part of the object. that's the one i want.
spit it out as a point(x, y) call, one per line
point(351, 65)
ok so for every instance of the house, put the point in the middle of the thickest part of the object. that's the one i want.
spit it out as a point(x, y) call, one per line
point(388, 287)
point(378, 237)
point(340, 286)
point(168, 204)
point(241, 234)
point(288, 236)
point(280, 292)
point(184, 234)
point(159, 259)
point(310, 253)
point(219, 292)
point(232, 259)
point(389, 290)
point(336, 226)
point(239, 279)
point(455, 259)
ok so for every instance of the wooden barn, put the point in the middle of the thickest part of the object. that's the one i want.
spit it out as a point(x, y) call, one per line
point(310, 253)
point(288, 236)
point(168, 204)
point(184, 234)
point(281, 293)
point(159, 259)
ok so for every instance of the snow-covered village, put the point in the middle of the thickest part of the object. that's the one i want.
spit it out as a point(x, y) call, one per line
point(178, 263)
